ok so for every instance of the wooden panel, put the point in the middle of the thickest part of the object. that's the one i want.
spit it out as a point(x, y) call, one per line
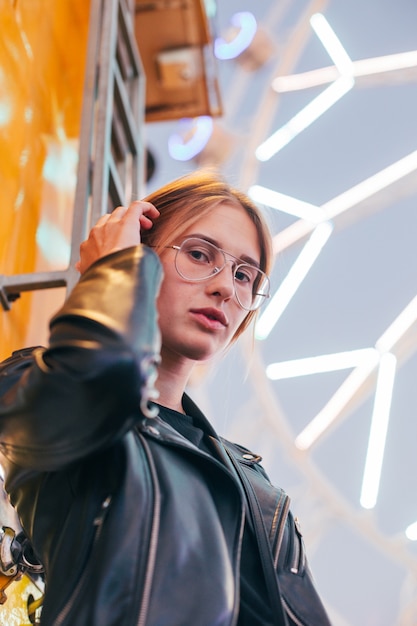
point(174, 41)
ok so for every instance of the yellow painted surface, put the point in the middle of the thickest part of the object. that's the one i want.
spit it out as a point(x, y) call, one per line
point(14, 611)
point(42, 59)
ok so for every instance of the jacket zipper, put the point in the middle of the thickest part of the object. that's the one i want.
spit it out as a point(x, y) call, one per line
point(281, 527)
point(97, 524)
point(153, 541)
point(230, 468)
point(295, 565)
point(298, 556)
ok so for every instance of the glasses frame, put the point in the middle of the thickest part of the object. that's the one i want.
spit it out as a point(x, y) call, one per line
point(236, 265)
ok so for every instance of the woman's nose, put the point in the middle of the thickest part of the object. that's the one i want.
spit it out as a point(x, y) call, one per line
point(223, 282)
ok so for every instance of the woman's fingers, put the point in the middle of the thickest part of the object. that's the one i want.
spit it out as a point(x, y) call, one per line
point(138, 214)
point(142, 211)
point(116, 231)
point(145, 222)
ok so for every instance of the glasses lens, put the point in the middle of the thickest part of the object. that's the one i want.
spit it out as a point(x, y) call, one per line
point(198, 259)
point(251, 286)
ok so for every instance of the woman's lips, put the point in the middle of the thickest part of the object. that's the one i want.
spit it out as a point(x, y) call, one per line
point(210, 317)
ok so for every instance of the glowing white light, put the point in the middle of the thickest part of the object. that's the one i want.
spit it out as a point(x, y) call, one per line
point(28, 114)
point(305, 80)
point(347, 200)
point(245, 23)
point(191, 138)
point(345, 393)
point(53, 243)
point(5, 112)
point(331, 43)
point(60, 166)
point(289, 236)
point(211, 8)
point(398, 327)
point(18, 203)
point(304, 118)
point(388, 63)
point(319, 364)
point(334, 407)
point(411, 532)
point(286, 204)
point(371, 185)
point(361, 68)
point(321, 103)
point(378, 433)
point(292, 281)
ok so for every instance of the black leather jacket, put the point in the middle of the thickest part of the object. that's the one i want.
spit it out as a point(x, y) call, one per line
point(135, 526)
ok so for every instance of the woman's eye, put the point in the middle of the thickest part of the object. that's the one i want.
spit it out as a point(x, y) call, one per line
point(244, 277)
point(199, 255)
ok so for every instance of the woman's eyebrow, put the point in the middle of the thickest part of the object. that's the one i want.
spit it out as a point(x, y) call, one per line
point(244, 258)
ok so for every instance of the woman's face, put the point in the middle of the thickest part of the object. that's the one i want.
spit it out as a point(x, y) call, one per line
point(199, 319)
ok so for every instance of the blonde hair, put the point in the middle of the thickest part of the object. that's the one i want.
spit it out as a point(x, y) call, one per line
point(185, 200)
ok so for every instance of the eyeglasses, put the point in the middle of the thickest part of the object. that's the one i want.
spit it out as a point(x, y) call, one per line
point(197, 259)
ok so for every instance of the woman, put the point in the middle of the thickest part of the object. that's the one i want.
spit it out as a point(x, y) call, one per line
point(137, 509)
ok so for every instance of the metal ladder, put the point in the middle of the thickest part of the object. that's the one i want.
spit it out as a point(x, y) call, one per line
point(112, 155)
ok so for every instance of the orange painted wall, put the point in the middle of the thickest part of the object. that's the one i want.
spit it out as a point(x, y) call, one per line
point(42, 58)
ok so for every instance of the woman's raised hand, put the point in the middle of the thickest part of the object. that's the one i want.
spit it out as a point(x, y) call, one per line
point(116, 231)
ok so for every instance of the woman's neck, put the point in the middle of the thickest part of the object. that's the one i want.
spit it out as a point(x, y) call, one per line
point(171, 383)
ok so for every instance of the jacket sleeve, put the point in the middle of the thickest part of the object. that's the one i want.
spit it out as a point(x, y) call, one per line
point(83, 391)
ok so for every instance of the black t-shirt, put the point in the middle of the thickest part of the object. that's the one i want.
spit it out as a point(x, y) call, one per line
point(254, 609)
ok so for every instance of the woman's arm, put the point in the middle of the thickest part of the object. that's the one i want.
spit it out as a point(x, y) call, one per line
point(82, 392)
